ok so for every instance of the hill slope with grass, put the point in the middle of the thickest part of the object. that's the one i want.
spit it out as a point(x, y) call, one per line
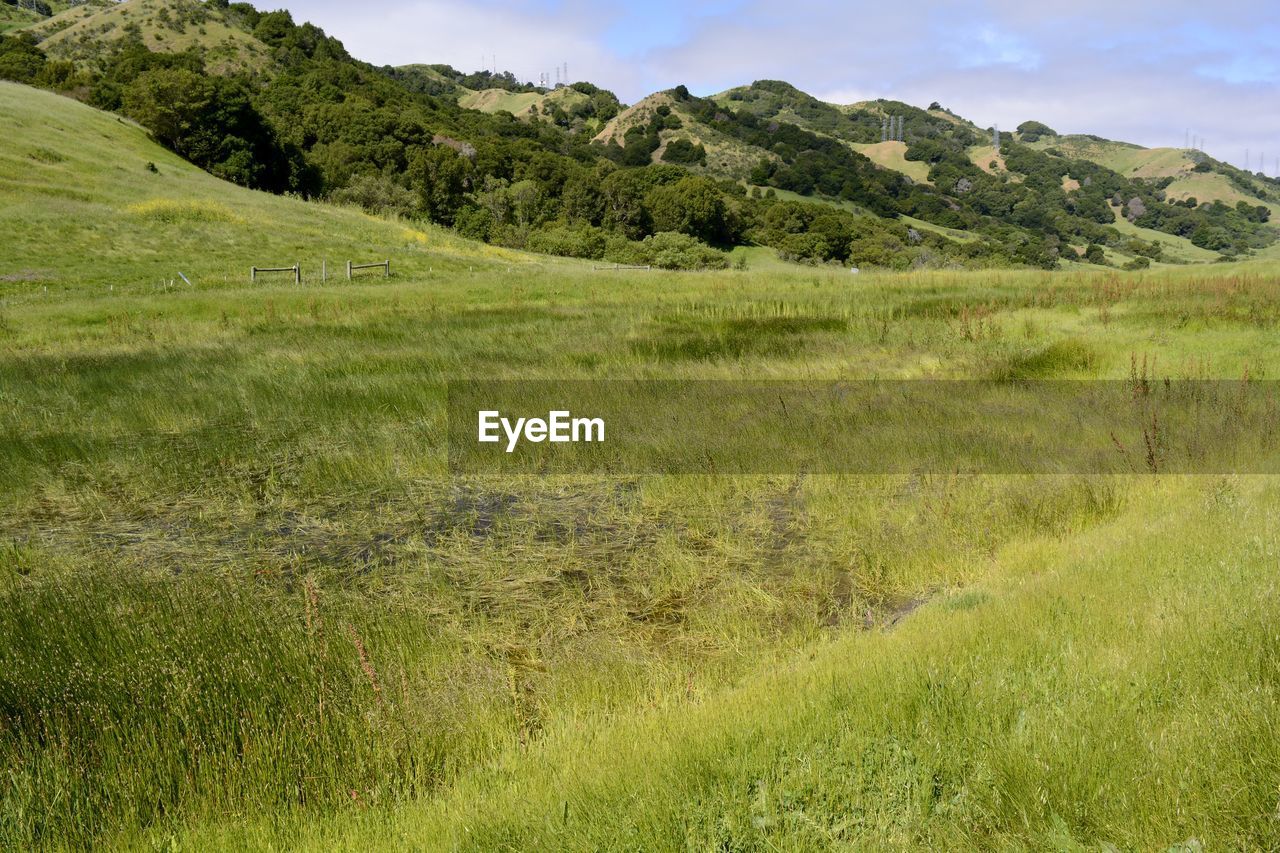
point(87, 33)
point(87, 198)
point(24, 13)
point(1182, 173)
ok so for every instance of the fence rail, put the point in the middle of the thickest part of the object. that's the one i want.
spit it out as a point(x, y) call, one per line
point(296, 269)
point(625, 267)
point(386, 268)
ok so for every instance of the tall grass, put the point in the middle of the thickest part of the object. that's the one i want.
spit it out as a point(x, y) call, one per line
point(128, 698)
point(242, 602)
point(1114, 689)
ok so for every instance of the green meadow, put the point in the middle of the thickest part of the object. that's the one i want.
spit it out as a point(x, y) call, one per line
point(244, 604)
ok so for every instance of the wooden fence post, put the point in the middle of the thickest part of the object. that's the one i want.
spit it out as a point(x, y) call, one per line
point(348, 270)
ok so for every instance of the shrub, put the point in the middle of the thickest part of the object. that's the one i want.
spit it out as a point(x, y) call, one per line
point(1030, 131)
point(684, 152)
point(667, 250)
point(21, 59)
point(377, 194)
point(474, 222)
point(582, 241)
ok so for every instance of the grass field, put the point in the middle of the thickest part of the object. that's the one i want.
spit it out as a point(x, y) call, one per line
point(892, 155)
point(1176, 249)
point(983, 156)
point(496, 100)
point(245, 604)
point(1207, 187)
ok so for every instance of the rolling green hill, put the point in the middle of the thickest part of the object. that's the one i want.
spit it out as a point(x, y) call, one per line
point(87, 199)
point(521, 104)
point(12, 16)
point(725, 155)
point(1189, 174)
point(1122, 157)
point(85, 33)
point(23, 13)
point(861, 123)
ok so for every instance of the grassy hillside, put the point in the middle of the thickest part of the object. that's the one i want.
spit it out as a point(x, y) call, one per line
point(861, 123)
point(495, 100)
point(87, 198)
point(523, 105)
point(983, 156)
point(14, 15)
point(1210, 186)
point(244, 603)
point(1176, 249)
point(891, 155)
point(1130, 160)
point(726, 156)
point(84, 33)
point(1216, 184)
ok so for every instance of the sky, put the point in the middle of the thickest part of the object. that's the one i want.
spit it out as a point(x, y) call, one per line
point(1144, 71)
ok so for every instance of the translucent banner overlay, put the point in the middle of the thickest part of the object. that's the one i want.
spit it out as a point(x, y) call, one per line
point(867, 427)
